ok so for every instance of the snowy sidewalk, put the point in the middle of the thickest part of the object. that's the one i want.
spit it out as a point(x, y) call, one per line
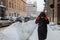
point(52, 34)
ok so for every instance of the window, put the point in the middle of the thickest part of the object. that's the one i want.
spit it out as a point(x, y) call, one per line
point(15, 14)
point(10, 4)
point(33, 5)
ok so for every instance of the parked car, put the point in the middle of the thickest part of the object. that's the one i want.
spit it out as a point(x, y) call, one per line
point(19, 19)
point(32, 18)
point(14, 18)
point(4, 18)
point(26, 19)
point(10, 18)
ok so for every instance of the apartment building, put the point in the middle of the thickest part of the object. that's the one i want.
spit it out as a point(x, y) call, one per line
point(15, 7)
point(2, 8)
point(31, 9)
point(53, 10)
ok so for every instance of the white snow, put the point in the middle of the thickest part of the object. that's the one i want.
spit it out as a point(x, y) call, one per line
point(34, 36)
point(52, 34)
point(28, 31)
point(10, 33)
point(18, 31)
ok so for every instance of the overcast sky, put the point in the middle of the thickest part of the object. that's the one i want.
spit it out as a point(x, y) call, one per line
point(40, 4)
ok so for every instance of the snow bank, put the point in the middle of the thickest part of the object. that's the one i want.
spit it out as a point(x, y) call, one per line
point(10, 33)
point(25, 31)
point(18, 31)
point(34, 35)
point(52, 24)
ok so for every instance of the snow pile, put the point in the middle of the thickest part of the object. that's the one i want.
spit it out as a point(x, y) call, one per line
point(18, 31)
point(54, 27)
point(3, 37)
point(25, 31)
point(52, 24)
point(34, 35)
point(10, 33)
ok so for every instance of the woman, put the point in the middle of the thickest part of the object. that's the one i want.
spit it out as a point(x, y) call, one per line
point(42, 22)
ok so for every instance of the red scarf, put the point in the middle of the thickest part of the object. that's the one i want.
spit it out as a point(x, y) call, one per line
point(38, 18)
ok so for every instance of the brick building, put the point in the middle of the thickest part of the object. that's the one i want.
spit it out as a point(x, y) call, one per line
point(53, 10)
point(15, 7)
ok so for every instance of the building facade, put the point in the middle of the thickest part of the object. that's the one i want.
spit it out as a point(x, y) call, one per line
point(15, 8)
point(31, 9)
point(53, 10)
point(2, 8)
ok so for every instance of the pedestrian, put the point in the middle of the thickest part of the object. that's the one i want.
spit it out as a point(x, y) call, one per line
point(42, 22)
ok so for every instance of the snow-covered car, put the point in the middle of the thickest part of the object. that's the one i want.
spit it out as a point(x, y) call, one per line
point(12, 19)
point(4, 18)
point(8, 17)
point(19, 19)
point(32, 18)
point(26, 19)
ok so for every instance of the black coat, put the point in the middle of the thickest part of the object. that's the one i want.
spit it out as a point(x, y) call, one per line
point(42, 28)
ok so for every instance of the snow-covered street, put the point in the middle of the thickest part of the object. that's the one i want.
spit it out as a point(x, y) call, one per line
point(28, 31)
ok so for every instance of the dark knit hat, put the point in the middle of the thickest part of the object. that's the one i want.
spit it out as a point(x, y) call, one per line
point(42, 14)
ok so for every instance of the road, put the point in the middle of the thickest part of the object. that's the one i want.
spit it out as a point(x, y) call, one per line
point(1, 29)
point(4, 23)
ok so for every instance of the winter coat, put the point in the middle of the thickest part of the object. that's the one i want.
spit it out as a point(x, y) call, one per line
point(42, 27)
